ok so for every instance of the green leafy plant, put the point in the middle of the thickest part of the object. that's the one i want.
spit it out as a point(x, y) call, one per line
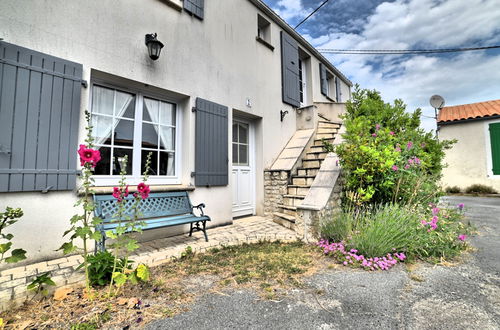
point(7, 218)
point(40, 283)
point(83, 226)
point(123, 243)
point(480, 189)
point(140, 274)
point(101, 267)
point(453, 190)
point(386, 156)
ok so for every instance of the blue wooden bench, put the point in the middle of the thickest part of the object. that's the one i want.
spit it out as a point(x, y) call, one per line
point(157, 211)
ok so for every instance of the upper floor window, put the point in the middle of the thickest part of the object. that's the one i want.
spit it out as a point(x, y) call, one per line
point(133, 124)
point(264, 31)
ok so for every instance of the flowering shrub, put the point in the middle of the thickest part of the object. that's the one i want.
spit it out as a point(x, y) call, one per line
point(386, 156)
point(353, 258)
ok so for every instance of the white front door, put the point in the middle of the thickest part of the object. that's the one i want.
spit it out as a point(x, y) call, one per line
point(243, 178)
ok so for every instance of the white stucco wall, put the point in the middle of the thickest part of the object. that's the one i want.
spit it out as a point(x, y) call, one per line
point(217, 59)
point(469, 161)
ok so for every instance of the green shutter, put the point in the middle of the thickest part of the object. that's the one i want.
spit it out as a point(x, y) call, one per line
point(495, 147)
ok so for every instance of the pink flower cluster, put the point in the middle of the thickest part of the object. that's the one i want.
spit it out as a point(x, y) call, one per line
point(462, 237)
point(433, 223)
point(88, 155)
point(143, 190)
point(119, 194)
point(353, 258)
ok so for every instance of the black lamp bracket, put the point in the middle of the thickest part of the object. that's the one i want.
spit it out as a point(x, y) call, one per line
point(283, 114)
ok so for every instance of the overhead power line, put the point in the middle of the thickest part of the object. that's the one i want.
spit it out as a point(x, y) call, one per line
point(314, 11)
point(403, 51)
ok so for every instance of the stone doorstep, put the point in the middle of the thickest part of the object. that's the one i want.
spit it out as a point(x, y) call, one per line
point(13, 281)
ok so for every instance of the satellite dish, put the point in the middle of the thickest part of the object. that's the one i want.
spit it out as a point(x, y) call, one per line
point(437, 101)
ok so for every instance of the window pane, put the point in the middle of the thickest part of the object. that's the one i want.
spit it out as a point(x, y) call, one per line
point(101, 129)
point(118, 160)
point(167, 163)
point(124, 132)
point(150, 136)
point(235, 132)
point(167, 114)
point(243, 133)
point(167, 138)
point(103, 166)
point(151, 109)
point(153, 168)
point(124, 105)
point(235, 154)
point(243, 154)
point(102, 100)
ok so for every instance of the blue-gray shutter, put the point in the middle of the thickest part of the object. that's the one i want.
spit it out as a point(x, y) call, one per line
point(337, 90)
point(323, 79)
point(195, 7)
point(211, 145)
point(290, 70)
point(39, 116)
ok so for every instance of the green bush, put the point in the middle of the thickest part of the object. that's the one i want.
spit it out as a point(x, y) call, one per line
point(377, 231)
point(480, 189)
point(386, 156)
point(101, 267)
point(453, 190)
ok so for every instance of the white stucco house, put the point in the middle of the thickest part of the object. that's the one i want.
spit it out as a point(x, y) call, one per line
point(475, 158)
point(234, 93)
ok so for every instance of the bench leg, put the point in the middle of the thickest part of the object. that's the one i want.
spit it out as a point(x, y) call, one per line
point(100, 246)
point(205, 230)
point(191, 231)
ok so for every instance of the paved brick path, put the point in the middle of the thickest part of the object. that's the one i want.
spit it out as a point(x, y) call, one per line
point(13, 281)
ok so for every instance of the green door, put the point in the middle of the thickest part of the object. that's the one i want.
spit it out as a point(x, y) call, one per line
point(495, 147)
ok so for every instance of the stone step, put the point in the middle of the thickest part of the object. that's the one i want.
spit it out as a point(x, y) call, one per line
point(311, 163)
point(320, 136)
point(319, 142)
point(285, 220)
point(315, 155)
point(303, 180)
point(293, 200)
point(308, 171)
point(328, 124)
point(287, 209)
point(326, 131)
point(320, 148)
point(297, 189)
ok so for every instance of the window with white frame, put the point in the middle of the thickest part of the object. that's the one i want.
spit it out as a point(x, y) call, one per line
point(133, 124)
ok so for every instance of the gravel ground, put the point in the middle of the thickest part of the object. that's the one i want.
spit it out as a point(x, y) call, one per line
point(464, 296)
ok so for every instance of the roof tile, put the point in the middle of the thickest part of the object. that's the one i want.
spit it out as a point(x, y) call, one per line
point(469, 111)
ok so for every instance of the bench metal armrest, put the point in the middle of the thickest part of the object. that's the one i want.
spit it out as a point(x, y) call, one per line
point(200, 207)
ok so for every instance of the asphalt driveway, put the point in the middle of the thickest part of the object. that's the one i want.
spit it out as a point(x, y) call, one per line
point(465, 296)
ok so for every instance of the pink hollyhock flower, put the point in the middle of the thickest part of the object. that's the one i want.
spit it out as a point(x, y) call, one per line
point(391, 132)
point(126, 191)
point(117, 193)
point(144, 190)
point(88, 155)
point(462, 237)
point(409, 145)
point(394, 168)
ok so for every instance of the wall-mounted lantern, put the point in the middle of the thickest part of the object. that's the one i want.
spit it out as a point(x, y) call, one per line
point(154, 46)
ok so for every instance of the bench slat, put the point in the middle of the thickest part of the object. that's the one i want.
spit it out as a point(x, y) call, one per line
point(160, 222)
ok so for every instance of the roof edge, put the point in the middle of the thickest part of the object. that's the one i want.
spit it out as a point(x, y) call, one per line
point(451, 122)
point(284, 25)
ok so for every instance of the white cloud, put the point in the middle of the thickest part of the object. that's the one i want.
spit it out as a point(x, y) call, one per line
point(406, 24)
point(290, 9)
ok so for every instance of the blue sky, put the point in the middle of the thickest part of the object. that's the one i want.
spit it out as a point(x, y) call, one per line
point(460, 78)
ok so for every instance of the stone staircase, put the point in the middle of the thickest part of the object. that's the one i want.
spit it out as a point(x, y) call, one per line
point(302, 180)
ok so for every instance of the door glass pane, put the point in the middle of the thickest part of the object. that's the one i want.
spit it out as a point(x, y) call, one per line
point(235, 154)
point(243, 154)
point(101, 129)
point(167, 114)
point(103, 166)
point(235, 132)
point(167, 163)
point(153, 168)
point(102, 100)
point(124, 132)
point(118, 160)
point(243, 134)
point(151, 110)
point(150, 136)
point(167, 138)
point(124, 105)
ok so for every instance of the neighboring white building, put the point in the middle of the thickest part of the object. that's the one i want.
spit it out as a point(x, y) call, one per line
point(475, 158)
point(235, 61)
